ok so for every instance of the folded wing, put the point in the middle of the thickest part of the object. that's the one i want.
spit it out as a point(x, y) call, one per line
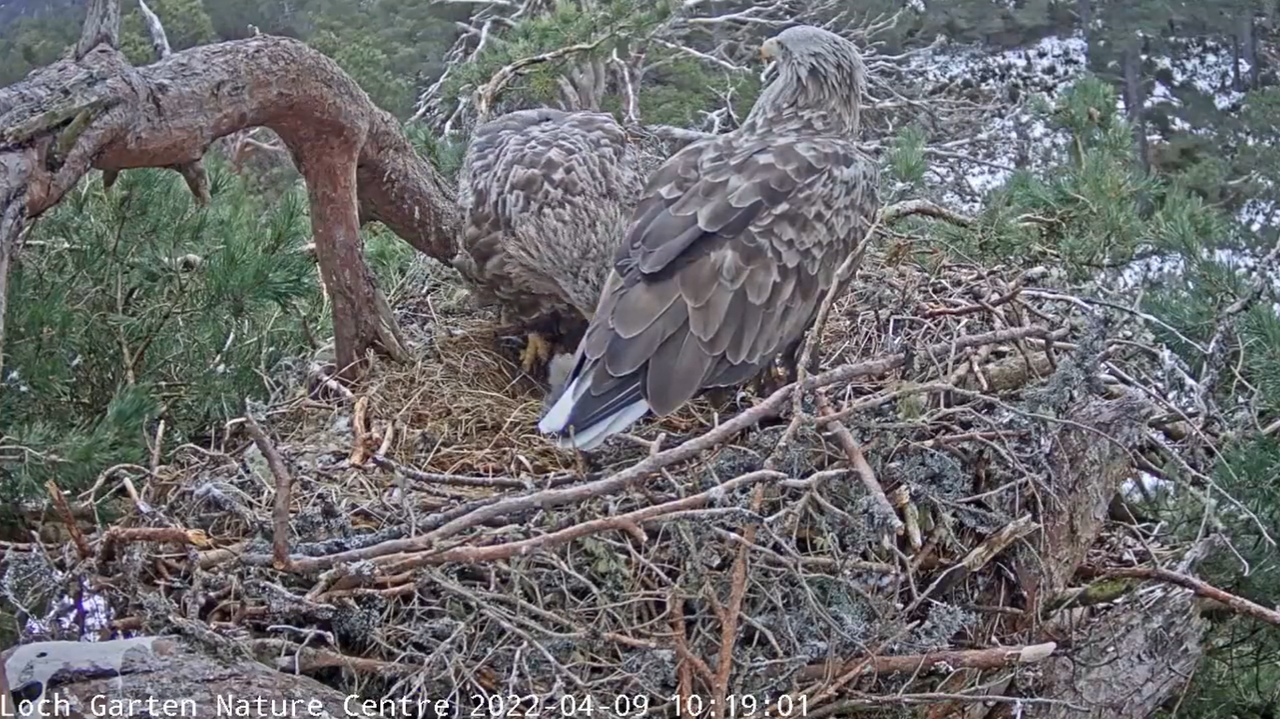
point(728, 256)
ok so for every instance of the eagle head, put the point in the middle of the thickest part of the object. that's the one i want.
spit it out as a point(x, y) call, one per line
point(818, 72)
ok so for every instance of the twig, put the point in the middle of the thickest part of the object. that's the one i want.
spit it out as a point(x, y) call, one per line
point(127, 535)
point(388, 437)
point(360, 425)
point(1201, 588)
point(978, 558)
point(737, 591)
point(486, 93)
point(688, 662)
point(854, 453)
point(156, 450)
point(858, 667)
point(308, 659)
point(284, 484)
point(68, 518)
point(946, 661)
point(461, 480)
point(625, 522)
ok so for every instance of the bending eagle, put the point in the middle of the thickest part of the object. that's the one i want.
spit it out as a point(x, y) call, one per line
point(734, 243)
point(545, 197)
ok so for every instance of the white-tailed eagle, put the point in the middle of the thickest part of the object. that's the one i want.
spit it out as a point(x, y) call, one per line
point(731, 249)
point(545, 196)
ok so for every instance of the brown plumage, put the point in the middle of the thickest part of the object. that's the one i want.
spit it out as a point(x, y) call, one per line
point(731, 249)
point(545, 196)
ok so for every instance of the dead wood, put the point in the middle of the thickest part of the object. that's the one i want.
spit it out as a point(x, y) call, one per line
point(1238, 604)
point(284, 492)
point(1088, 461)
point(1127, 662)
point(116, 536)
point(945, 662)
point(63, 509)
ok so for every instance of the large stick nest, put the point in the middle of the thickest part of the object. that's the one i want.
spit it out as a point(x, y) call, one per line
point(441, 548)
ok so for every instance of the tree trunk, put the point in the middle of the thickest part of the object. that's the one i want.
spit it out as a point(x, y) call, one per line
point(1236, 81)
point(1084, 9)
point(1129, 660)
point(1133, 101)
point(1249, 43)
point(1087, 472)
point(1125, 660)
point(99, 112)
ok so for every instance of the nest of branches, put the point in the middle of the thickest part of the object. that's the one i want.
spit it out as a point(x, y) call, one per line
point(908, 525)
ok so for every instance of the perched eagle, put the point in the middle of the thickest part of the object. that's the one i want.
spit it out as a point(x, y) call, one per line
point(731, 249)
point(545, 197)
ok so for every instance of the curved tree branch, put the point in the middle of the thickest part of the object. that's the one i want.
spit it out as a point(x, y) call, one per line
point(100, 113)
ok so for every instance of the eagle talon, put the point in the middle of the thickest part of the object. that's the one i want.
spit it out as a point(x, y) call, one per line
point(537, 351)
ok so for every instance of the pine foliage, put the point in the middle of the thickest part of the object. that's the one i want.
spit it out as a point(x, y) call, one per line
point(131, 305)
point(1093, 217)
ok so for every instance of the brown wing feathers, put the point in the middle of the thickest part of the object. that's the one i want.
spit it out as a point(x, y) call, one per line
point(698, 300)
point(735, 241)
point(699, 297)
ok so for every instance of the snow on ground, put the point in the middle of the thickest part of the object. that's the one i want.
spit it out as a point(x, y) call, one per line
point(1045, 68)
point(1022, 140)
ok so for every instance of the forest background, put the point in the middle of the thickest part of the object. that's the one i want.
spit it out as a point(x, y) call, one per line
point(110, 329)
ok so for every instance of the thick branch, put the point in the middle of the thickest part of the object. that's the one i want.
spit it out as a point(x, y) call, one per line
point(101, 25)
point(170, 112)
point(1126, 663)
point(167, 115)
point(1201, 588)
point(898, 210)
point(284, 491)
point(947, 661)
point(159, 40)
point(168, 673)
point(127, 535)
point(13, 177)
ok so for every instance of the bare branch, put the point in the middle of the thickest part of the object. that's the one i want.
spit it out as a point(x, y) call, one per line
point(488, 92)
point(948, 661)
point(899, 210)
point(101, 26)
point(284, 485)
point(159, 40)
point(1238, 604)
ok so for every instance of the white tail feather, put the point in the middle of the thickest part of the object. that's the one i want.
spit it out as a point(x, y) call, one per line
point(596, 434)
point(557, 417)
point(556, 420)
